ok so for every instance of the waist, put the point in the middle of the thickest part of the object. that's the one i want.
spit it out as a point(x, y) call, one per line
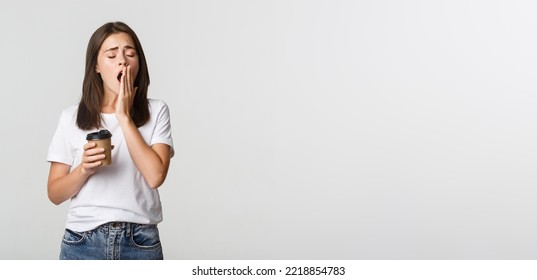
point(121, 227)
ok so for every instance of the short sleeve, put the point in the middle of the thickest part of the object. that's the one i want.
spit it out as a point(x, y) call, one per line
point(60, 149)
point(163, 129)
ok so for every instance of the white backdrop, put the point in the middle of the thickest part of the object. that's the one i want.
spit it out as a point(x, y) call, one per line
point(303, 129)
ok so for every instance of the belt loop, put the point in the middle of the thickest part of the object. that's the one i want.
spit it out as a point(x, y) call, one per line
point(129, 229)
point(105, 228)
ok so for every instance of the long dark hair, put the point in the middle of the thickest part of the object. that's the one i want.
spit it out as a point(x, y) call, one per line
point(89, 108)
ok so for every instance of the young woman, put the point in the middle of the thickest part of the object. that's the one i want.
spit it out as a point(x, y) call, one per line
point(114, 209)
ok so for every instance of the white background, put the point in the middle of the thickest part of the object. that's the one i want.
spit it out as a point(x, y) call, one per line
point(303, 129)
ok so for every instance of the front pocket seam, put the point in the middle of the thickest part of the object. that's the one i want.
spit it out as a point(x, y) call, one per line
point(74, 242)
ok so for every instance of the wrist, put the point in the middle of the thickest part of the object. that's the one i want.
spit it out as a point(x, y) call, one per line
point(123, 119)
point(82, 172)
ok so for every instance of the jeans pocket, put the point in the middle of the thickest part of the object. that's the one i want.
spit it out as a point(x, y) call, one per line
point(71, 237)
point(145, 236)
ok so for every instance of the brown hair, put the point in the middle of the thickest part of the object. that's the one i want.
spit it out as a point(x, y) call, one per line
point(89, 108)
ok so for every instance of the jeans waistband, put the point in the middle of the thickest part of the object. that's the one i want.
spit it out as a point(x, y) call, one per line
point(117, 227)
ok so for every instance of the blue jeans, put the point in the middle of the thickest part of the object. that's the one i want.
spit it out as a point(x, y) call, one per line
point(113, 241)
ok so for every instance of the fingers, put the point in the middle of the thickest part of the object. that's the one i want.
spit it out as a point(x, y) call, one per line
point(129, 82)
point(89, 145)
point(122, 81)
point(91, 149)
point(128, 74)
point(90, 167)
point(126, 86)
point(92, 153)
point(92, 157)
point(126, 94)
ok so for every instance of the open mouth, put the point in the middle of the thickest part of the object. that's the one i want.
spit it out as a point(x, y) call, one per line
point(119, 76)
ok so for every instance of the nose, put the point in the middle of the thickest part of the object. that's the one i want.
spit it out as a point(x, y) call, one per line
point(122, 60)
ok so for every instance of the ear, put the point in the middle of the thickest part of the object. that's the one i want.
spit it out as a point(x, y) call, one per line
point(97, 68)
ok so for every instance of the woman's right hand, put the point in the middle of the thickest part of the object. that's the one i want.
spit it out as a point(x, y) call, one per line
point(92, 158)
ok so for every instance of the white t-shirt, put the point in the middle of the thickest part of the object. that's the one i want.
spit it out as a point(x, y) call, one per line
point(117, 192)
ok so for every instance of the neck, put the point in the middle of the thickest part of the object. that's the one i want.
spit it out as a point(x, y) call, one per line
point(109, 102)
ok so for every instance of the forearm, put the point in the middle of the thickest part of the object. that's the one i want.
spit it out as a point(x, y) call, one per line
point(152, 167)
point(63, 188)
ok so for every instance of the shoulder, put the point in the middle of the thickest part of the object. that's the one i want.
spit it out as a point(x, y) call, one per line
point(157, 105)
point(69, 114)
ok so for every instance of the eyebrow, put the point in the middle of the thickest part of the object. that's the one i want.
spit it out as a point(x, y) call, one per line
point(117, 48)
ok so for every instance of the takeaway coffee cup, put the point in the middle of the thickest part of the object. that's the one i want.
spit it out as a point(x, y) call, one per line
point(103, 139)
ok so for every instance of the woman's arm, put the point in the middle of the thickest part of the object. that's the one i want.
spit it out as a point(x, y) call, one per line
point(64, 183)
point(152, 161)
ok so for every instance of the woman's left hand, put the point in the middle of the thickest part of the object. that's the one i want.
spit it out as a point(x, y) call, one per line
point(126, 94)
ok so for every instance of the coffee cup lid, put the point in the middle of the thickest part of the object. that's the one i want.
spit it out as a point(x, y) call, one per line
point(101, 134)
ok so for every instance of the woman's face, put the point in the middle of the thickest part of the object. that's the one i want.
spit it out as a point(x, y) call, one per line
point(117, 51)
